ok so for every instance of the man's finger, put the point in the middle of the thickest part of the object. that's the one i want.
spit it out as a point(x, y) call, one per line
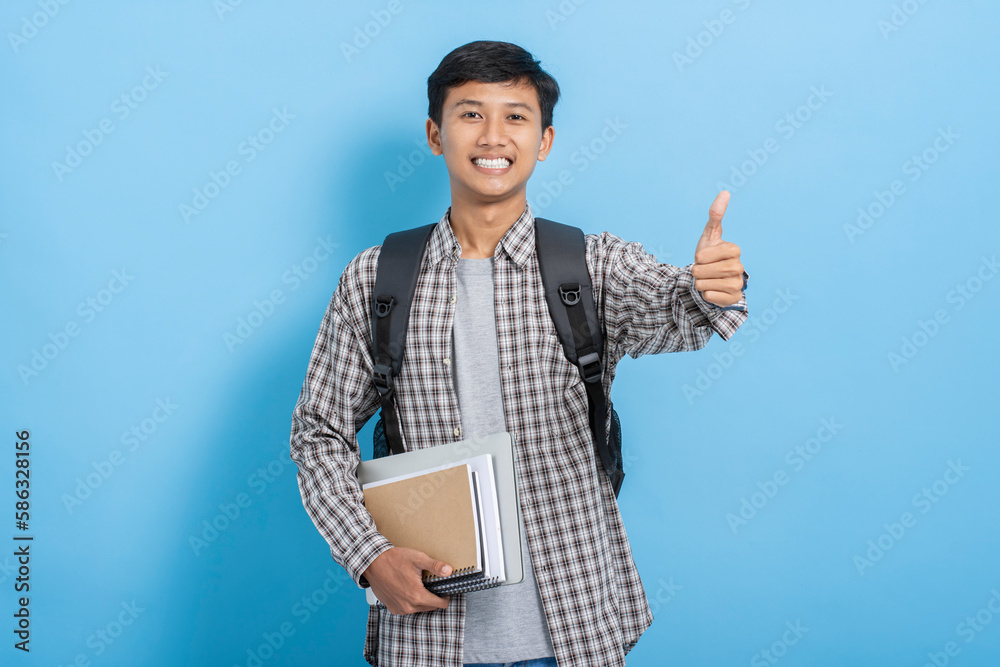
point(720, 269)
point(716, 253)
point(730, 285)
point(713, 228)
point(422, 561)
point(437, 567)
point(432, 601)
point(720, 298)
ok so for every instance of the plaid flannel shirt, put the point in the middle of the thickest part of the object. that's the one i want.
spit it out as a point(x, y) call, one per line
point(593, 598)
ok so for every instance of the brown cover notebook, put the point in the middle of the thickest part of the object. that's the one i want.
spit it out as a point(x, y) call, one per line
point(433, 513)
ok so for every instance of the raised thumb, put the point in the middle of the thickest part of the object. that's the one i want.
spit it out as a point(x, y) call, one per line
point(712, 234)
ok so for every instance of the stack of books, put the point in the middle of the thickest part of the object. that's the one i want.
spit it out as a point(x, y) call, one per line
point(450, 512)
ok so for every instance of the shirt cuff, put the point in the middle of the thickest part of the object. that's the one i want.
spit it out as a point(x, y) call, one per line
point(364, 555)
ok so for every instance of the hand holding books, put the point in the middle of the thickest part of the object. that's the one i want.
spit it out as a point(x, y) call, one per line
point(396, 578)
point(453, 505)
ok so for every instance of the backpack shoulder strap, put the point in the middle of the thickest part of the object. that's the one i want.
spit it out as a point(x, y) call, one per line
point(399, 263)
point(562, 261)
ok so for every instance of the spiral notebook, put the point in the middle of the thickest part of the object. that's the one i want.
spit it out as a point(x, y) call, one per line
point(450, 511)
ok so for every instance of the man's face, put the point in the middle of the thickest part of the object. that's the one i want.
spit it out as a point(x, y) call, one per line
point(490, 120)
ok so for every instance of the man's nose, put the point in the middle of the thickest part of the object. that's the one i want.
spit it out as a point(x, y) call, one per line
point(494, 131)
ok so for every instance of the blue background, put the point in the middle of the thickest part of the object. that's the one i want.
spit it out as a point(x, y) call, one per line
point(829, 306)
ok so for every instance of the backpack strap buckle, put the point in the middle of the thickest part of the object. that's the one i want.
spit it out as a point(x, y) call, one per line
point(383, 378)
point(384, 304)
point(570, 293)
point(591, 367)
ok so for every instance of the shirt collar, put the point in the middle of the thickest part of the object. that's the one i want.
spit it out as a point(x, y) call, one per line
point(518, 242)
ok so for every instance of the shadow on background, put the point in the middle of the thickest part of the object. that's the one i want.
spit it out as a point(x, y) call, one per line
point(262, 578)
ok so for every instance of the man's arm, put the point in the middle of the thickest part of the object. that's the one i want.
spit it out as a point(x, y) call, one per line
point(651, 307)
point(338, 396)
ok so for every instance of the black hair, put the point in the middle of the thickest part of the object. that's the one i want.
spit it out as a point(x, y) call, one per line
point(490, 62)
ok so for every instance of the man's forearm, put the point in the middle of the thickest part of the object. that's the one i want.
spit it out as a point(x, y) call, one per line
point(333, 499)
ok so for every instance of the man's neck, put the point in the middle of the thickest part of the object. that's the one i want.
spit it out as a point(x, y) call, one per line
point(479, 228)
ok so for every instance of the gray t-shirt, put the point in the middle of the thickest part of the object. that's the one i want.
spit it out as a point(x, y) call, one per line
point(506, 623)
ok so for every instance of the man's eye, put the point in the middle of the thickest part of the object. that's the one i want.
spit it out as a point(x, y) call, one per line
point(515, 116)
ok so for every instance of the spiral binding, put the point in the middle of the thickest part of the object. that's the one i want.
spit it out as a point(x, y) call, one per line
point(434, 587)
point(457, 574)
point(466, 586)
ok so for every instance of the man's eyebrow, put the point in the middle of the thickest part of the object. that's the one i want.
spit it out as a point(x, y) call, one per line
point(509, 105)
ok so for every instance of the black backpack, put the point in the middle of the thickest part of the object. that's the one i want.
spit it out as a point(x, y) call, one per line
point(561, 253)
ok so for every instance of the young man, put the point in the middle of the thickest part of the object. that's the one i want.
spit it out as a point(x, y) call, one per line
point(483, 356)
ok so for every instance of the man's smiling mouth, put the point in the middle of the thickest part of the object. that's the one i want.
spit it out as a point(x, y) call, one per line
point(495, 163)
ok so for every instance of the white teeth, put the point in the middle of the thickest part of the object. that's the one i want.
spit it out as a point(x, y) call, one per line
point(498, 163)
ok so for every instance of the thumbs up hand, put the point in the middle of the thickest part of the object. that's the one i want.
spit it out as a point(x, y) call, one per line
point(717, 269)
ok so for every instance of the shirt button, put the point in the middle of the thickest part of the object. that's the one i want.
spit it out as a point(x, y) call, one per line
point(453, 299)
point(447, 361)
point(458, 431)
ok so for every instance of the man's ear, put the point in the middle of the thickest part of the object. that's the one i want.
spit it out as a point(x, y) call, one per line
point(548, 136)
point(434, 137)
